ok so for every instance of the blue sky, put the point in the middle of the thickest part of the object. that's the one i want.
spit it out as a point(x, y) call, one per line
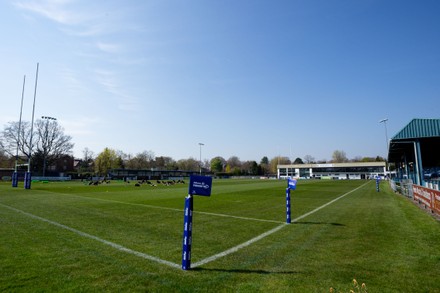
point(246, 78)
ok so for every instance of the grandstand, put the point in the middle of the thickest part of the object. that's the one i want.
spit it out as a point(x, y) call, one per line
point(414, 151)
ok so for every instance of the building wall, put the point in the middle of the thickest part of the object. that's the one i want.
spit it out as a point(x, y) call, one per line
point(333, 171)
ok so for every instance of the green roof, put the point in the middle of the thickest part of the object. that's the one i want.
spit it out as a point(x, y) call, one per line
point(419, 128)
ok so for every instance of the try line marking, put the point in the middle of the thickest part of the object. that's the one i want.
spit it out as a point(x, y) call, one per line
point(171, 264)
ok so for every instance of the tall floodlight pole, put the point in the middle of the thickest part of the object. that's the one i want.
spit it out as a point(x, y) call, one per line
point(384, 121)
point(27, 176)
point(200, 144)
point(46, 134)
point(15, 175)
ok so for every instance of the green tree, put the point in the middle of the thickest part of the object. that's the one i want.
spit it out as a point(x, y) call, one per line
point(250, 168)
point(264, 166)
point(298, 161)
point(107, 160)
point(217, 164)
point(278, 161)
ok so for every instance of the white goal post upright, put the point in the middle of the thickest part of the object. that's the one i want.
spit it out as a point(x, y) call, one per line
point(15, 174)
point(27, 175)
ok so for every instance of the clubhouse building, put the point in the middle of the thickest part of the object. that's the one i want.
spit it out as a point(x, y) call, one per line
point(354, 170)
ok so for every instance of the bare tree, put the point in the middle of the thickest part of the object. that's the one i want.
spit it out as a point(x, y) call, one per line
point(11, 139)
point(86, 164)
point(308, 159)
point(165, 163)
point(190, 164)
point(339, 157)
point(5, 160)
point(51, 143)
point(142, 160)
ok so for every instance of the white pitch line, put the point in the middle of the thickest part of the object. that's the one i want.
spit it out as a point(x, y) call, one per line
point(255, 239)
point(327, 204)
point(168, 263)
point(237, 217)
point(173, 209)
point(237, 248)
point(109, 243)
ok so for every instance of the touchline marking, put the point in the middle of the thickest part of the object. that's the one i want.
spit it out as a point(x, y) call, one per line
point(255, 239)
point(109, 243)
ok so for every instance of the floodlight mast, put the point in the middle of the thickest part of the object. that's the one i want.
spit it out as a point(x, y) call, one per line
point(200, 158)
point(384, 121)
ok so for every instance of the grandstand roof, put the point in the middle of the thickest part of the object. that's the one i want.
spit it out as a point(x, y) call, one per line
point(419, 128)
point(424, 131)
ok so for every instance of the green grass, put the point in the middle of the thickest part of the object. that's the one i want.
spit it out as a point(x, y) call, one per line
point(377, 238)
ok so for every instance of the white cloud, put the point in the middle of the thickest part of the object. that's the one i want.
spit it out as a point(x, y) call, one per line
point(109, 81)
point(55, 10)
point(108, 48)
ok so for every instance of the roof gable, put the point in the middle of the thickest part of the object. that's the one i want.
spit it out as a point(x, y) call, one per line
point(418, 128)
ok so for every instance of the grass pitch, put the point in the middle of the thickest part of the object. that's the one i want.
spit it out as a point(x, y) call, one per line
point(118, 237)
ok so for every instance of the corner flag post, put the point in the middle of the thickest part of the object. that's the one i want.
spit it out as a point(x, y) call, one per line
point(288, 205)
point(198, 185)
point(187, 233)
point(291, 185)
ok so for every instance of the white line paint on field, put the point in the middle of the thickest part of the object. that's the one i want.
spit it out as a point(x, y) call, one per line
point(237, 248)
point(327, 204)
point(174, 209)
point(276, 229)
point(109, 243)
point(237, 217)
point(168, 263)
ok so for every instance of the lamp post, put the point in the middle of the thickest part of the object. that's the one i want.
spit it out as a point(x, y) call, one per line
point(384, 121)
point(46, 134)
point(200, 161)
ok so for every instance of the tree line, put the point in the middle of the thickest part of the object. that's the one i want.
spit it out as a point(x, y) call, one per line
point(47, 143)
